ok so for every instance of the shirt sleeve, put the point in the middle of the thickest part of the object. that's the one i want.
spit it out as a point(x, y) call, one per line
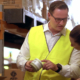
point(24, 54)
point(72, 70)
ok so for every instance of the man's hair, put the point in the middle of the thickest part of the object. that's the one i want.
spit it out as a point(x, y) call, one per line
point(75, 34)
point(57, 5)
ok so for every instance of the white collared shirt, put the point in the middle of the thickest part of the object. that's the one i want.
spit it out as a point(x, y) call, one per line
point(70, 70)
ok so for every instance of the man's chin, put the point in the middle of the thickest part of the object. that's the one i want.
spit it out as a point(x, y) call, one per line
point(60, 30)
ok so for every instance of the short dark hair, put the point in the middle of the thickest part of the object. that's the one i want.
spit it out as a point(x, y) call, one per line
point(75, 34)
point(57, 4)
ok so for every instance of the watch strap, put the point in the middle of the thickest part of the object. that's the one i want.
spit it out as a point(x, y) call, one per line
point(59, 67)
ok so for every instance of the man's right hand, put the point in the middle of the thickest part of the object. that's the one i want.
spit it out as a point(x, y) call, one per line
point(28, 67)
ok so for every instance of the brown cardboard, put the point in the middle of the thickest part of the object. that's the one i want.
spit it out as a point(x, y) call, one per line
point(45, 13)
point(13, 66)
point(12, 4)
point(2, 78)
point(13, 15)
point(14, 74)
point(44, 5)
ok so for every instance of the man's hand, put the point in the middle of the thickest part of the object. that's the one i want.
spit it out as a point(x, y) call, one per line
point(49, 65)
point(28, 67)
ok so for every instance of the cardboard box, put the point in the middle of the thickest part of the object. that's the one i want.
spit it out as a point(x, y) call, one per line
point(13, 74)
point(13, 66)
point(44, 5)
point(2, 77)
point(1, 12)
point(1, 16)
point(12, 4)
point(45, 14)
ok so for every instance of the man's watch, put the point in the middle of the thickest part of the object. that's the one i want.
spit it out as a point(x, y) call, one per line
point(59, 67)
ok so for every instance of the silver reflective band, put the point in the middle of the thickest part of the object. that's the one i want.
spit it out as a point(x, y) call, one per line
point(36, 64)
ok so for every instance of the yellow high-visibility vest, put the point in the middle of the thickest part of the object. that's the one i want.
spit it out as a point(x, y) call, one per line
point(60, 53)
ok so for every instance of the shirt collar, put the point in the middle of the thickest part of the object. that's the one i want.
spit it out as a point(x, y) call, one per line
point(46, 28)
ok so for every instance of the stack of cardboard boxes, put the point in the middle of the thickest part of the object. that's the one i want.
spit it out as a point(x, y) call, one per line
point(12, 4)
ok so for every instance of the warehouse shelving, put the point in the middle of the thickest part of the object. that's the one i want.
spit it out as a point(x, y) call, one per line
point(14, 27)
point(18, 23)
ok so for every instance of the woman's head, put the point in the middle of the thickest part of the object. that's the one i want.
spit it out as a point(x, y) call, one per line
point(75, 37)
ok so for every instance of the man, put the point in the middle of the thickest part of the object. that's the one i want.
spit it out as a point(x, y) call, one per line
point(50, 43)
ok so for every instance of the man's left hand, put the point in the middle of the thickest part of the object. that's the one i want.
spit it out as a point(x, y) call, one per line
point(49, 65)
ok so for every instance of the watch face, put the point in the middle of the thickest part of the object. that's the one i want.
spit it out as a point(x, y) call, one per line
point(59, 65)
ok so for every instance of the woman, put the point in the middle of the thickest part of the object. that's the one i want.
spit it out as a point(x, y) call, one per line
point(75, 37)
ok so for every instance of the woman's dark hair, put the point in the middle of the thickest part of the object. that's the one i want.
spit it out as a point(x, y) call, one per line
point(75, 34)
point(57, 4)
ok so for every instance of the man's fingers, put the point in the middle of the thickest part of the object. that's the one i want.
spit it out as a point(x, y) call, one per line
point(28, 63)
point(44, 60)
point(28, 68)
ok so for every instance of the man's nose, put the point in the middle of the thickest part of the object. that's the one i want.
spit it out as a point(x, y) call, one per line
point(61, 22)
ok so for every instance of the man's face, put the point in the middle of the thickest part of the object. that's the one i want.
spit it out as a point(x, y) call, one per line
point(58, 19)
point(74, 44)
